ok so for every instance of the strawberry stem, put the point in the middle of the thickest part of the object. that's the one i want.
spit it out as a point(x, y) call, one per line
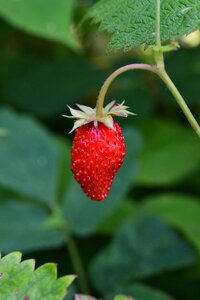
point(158, 50)
point(179, 99)
point(57, 221)
point(158, 41)
point(109, 80)
point(158, 69)
point(77, 263)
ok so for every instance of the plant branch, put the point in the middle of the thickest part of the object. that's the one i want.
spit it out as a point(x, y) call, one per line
point(109, 80)
point(159, 59)
point(158, 42)
point(160, 71)
point(77, 263)
point(57, 221)
point(179, 99)
point(158, 51)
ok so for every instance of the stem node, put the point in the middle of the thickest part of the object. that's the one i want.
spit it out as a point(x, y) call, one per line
point(159, 69)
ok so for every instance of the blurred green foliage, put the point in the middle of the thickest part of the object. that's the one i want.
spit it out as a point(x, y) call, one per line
point(37, 284)
point(144, 240)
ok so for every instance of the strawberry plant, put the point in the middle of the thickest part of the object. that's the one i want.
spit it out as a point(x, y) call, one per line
point(130, 145)
point(127, 33)
point(19, 280)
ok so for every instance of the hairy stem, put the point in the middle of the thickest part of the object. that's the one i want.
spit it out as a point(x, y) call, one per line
point(160, 71)
point(109, 80)
point(77, 264)
point(179, 99)
point(158, 53)
point(159, 59)
point(158, 42)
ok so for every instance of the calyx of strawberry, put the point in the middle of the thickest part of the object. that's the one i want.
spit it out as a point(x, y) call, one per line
point(87, 114)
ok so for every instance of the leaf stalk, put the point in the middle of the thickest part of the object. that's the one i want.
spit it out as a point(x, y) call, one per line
point(109, 80)
point(159, 69)
point(77, 264)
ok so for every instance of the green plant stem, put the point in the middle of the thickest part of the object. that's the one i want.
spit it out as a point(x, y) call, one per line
point(179, 99)
point(160, 71)
point(158, 53)
point(109, 80)
point(77, 264)
point(159, 59)
point(158, 41)
point(58, 221)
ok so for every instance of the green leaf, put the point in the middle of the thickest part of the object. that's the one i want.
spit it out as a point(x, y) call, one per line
point(170, 154)
point(181, 211)
point(27, 227)
point(141, 292)
point(19, 280)
point(49, 19)
point(143, 246)
point(83, 214)
point(120, 297)
point(132, 23)
point(29, 158)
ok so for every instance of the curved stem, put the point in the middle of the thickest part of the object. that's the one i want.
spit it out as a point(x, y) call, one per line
point(179, 99)
point(109, 80)
point(160, 71)
point(77, 264)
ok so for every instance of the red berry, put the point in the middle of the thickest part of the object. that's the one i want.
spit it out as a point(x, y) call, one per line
point(96, 156)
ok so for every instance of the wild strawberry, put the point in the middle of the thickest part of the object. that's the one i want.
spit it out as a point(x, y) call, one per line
point(98, 149)
point(97, 154)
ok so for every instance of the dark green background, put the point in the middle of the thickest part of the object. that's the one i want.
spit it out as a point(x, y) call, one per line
point(144, 240)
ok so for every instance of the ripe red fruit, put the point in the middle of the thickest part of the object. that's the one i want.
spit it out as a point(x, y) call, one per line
point(98, 147)
point(96, 156)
